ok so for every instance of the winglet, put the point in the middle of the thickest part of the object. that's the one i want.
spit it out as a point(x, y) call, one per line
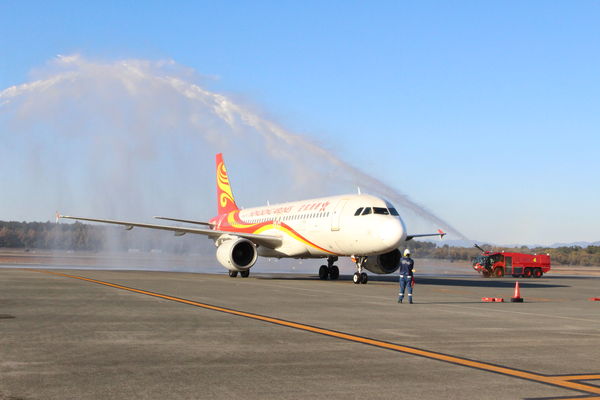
point(442, 233)
point(225, 201)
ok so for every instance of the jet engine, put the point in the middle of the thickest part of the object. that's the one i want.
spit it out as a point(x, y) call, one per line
point(384, 263)
point(237, 254)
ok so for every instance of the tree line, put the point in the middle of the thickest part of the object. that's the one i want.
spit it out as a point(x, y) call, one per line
point(85, 237)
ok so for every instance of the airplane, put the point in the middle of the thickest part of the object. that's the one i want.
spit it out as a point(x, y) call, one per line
point(364, 227)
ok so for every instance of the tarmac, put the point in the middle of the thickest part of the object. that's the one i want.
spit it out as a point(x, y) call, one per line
point(97, 334)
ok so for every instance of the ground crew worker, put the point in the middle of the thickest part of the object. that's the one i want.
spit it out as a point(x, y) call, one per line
point(406, 276)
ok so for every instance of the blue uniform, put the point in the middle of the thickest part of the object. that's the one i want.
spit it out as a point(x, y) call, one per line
point(406, 276)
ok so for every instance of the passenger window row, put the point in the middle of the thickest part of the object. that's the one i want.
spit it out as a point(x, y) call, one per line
point(290, 217)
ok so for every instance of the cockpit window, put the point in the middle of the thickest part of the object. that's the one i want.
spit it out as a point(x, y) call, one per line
point(366, 211)
point(381, 210)
point(358, 211)
point(393, 211)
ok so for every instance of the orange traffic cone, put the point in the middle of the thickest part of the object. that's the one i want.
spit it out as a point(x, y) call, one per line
point(517, 297)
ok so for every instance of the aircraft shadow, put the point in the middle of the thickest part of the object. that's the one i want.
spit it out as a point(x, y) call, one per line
point(435, 281)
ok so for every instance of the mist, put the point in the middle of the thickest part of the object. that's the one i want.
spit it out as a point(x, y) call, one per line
point(129, 139)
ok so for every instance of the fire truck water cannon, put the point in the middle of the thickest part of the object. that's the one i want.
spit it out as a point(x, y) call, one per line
point(499, 264)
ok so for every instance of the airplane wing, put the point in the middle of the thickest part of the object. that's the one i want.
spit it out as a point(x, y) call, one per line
point(269, 241)
point(187, 221)
point(439, 233)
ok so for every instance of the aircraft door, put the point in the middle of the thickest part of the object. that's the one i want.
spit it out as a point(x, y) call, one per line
point(337, 214)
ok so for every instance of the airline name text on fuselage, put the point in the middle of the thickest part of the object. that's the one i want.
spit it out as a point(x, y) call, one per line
point(315, 206)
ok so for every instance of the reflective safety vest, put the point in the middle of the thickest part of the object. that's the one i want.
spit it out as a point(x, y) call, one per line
point(406, 266)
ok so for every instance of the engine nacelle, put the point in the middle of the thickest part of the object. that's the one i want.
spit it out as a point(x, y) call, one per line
point(237, 254)
point(383, 263)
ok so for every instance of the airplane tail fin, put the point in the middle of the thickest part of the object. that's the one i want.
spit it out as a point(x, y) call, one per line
point(225, 201)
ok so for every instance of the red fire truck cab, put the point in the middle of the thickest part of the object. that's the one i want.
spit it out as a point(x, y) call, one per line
point(516, 264)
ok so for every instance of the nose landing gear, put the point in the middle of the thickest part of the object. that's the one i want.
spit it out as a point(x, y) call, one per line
point(329, 271)
point(360, 276)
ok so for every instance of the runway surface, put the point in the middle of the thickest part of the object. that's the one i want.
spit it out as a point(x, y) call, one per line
point(91, 334)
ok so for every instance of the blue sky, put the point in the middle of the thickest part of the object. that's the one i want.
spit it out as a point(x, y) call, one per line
point(486, 113)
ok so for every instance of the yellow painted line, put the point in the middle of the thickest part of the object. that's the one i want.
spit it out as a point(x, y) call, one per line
point(560, 381)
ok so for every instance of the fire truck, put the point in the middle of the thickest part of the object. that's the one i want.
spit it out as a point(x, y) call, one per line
point(498, 264)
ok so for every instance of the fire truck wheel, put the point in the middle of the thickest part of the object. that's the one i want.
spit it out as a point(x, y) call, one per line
point(537, 273)
point(498, 272)
point(527, 273)
point(485, 273)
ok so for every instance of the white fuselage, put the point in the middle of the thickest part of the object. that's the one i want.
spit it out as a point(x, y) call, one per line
point(326, 226)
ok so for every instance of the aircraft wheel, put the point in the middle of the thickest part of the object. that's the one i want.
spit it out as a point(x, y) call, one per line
point(232, 274)
point(245, 274)
point(334, 272)
point(537, 273)
point(527, 273)
point(364, 278)
point(356, 278)
point(323, 272)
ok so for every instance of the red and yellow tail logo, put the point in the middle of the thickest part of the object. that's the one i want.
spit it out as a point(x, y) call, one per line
point(225, 201)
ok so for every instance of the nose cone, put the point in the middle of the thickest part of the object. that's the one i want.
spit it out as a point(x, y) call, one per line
point(392, 232)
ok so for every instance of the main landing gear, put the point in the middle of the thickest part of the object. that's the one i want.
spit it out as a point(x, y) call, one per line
point(329, 271)
point(243, 274)
point(360, 276)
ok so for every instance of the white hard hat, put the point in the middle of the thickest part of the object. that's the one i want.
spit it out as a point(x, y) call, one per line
point(406, 253)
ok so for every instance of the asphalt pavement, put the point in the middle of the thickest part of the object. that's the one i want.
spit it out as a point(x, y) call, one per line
point(161, 335)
